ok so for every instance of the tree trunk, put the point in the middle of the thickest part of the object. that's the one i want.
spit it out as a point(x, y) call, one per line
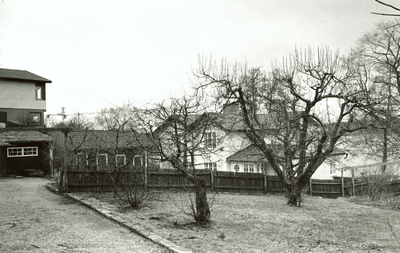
point(385, 149)
point(203, 213)
point(60, 182)
point(293, 195)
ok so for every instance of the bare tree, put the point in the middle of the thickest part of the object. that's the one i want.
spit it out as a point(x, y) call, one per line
point(390, 6)
point(379, 52)
point(296, 114)
point(78, 121)
point(119, 117)
point(176, 129)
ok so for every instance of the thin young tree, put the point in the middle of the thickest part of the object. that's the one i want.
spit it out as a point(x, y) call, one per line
point(176, 129)
point(297, 113)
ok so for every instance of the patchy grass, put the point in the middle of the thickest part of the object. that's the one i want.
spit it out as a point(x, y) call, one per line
point(385, 202)
point(255, 223)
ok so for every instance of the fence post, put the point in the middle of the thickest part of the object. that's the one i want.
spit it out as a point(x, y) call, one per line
point(212, 180)
point(65, 181)
point(342, 183)
point(145, 169)
point(310, 186)
point(352, 181)
point(265, 181)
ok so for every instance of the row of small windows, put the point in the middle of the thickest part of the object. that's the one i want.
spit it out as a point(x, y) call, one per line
point(102, 159)
point(210, 166)
point(22, 151)
point(247, 167)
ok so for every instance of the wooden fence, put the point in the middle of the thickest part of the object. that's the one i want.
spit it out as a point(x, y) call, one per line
point(95, 180)
point(102, 180)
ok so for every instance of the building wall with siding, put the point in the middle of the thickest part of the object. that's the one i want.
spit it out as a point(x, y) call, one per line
point(19, 95)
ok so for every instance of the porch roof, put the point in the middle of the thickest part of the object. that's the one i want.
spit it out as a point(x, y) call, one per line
point(248, 154)
point(10, 137)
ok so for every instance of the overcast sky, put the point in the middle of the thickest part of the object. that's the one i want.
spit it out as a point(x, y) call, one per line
point(104, 53)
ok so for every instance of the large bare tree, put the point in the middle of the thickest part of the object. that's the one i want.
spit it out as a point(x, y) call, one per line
point(297, 113)
point(379, 51)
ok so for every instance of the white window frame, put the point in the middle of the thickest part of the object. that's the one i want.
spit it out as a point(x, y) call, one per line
point(120, 155)
point(332, 169)
point(23, 153)
point(248, 167)
point(251, 167)
point(38, 92)
point(102, 154)
point(210, 166)
point(141, 160)
point(210, 140)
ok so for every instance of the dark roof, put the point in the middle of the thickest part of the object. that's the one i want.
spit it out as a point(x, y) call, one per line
point(248, 154)
point(10, 137)
point(21, 75)
point(103, 139)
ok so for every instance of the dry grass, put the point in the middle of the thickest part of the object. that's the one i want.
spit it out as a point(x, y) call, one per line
point(249, 223)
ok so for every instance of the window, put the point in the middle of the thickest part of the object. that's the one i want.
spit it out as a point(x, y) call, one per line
point(120, 160)
point(210, 166)
point(82, 159)
point(102, 160)
point(39, 92)
point(23, 151)
point(210, 140)
point(332, 169)
point(35, 118)
point(137, 160)
point(248, 167)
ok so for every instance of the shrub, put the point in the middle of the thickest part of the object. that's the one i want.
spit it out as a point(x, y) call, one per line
point(132, 190)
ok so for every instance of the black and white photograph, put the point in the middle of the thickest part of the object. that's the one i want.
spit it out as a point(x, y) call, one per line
point(199, 126)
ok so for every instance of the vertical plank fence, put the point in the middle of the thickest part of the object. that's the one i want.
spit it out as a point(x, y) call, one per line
point(100, 180)
point(93, 179)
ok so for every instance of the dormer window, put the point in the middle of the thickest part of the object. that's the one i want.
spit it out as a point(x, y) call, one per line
point(40, 92)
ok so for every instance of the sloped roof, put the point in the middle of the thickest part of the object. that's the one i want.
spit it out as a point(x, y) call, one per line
point(103, 139)
point(21, 75)
point(4, 143)
point(22, 136)
point(248, 154)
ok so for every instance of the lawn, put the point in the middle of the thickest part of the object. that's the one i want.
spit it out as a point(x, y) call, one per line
point(264, 223)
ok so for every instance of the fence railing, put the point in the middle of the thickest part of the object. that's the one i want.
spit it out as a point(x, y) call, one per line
point(101, 180)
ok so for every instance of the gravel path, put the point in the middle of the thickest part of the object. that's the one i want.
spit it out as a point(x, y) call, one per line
point(35, 220)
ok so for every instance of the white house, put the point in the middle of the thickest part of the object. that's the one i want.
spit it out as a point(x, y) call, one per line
point(226, 148)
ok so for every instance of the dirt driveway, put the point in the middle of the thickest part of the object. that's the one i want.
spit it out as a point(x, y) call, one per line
point(35, 220)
